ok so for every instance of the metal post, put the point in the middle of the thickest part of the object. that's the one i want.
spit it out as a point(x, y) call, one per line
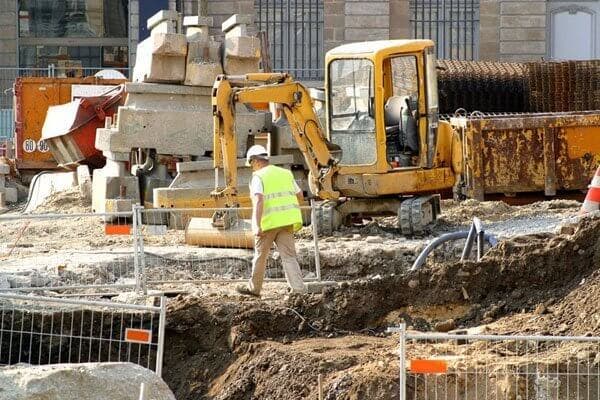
point(402, 351)
point(315, 232)
point(142, 391)
point(468, 244)
point(161, 335)
point(142, 254)
point(480, 244)
point(480, 237)
point(136, 250)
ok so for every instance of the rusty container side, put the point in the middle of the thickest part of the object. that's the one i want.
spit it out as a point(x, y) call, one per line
point(524, 153)
point(33, 97)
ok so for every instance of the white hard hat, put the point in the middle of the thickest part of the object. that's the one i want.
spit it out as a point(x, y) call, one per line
point(256, 151)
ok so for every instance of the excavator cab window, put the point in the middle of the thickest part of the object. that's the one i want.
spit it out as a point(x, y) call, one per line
point(352, 119)
point(400, 113)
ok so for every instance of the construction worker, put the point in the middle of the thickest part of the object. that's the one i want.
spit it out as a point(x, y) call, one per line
point(276, 215)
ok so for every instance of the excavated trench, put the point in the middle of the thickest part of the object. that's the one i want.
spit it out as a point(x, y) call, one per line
point(227, 348)
point(221, 346)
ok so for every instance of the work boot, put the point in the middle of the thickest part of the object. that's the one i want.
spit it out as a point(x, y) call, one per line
point(245, 290)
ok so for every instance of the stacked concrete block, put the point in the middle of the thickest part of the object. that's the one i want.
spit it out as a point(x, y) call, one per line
point(7, 194)
point(242, 52)
point(161, 57)
point(203, 62)
point(164, 21)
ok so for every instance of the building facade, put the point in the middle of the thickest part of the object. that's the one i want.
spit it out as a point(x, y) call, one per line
point(105, 33)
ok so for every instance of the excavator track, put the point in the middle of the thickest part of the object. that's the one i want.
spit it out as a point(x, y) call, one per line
point(417, 212)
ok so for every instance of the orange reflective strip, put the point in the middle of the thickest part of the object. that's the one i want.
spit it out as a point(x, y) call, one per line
point(114, 229)
point(593, 194)
point(428, 366)
point(138, 335)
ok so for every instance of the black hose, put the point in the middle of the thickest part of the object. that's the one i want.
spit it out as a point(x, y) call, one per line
point(491, 239)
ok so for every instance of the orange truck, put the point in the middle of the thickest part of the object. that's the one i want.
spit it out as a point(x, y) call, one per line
point(32, 98)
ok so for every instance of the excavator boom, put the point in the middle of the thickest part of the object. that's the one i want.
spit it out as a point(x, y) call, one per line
point(320, 155)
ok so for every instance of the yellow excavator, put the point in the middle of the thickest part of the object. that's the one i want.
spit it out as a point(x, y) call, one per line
point(384, 152)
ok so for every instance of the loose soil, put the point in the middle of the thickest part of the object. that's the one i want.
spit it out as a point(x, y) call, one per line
point(540, 279)
point(226, 347)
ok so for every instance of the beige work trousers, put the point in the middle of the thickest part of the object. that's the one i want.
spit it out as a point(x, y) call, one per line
point(284, 240)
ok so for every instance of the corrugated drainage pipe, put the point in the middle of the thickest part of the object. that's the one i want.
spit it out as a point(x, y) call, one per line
point(491, 239)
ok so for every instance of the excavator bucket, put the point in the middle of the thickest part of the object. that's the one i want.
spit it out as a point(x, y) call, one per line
point(206, 232)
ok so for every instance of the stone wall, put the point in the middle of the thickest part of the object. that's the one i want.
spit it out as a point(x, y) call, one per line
point(8, 33)
point(134, 29)
point(522, 30)
point(358, 20)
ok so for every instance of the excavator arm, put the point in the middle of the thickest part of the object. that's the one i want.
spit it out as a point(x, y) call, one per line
point(279, 88)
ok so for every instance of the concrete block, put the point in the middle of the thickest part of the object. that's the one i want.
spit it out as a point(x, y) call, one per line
point(240, 66)
point(197, 34)
point(164, 27)
point(242, 47)
point(167, 44)
point(84, 180)
point(118, 205)
point(83, 174)
point(203, 63)
point(202, 52)
point(202, 73)
point(109, 187)
point(161, 68)
point(236, 19)
point(162, 15)
point(197, 20)
point(4, 169)
point(239, 30)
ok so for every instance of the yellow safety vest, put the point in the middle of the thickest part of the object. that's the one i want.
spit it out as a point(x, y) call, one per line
point(280, 207)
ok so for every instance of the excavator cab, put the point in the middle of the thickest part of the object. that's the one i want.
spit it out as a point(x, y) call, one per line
point(383, 104)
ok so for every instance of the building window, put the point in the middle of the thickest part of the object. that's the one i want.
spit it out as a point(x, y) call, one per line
point(452, 24)
point(295, 32)
point(75, 56)
point(73, 18)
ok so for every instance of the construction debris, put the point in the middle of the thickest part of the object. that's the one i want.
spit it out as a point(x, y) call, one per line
point(103, 381)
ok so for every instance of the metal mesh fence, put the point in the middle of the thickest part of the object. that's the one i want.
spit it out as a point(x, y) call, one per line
point(454, 366)
point(67, 251)
point(181, 245)
point(41, 330)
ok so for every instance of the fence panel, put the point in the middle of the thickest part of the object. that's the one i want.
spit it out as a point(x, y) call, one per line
point(67, 251)
point(181, 245)
point(42, 330)
point(454, 366)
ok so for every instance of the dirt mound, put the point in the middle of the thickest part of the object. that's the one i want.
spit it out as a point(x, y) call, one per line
point(456, 213)
point(238, 349)
point(69, 201)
